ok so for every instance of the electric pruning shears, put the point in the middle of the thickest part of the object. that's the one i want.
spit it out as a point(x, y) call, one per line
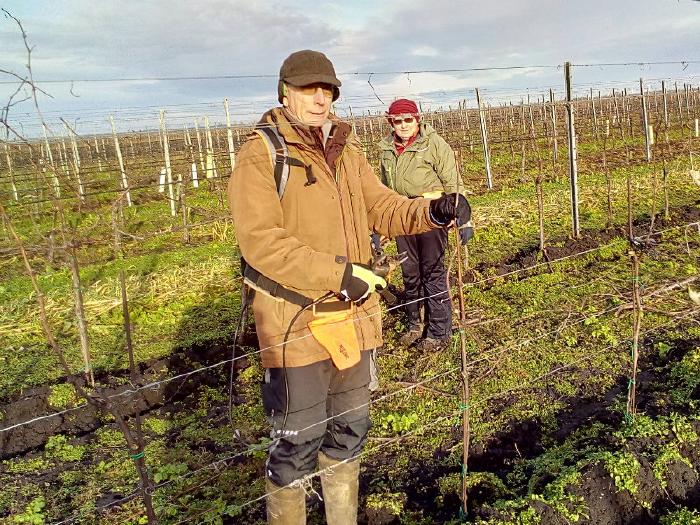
point(382, 265)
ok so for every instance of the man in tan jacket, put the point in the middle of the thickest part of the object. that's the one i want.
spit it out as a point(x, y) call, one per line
point(304, 200)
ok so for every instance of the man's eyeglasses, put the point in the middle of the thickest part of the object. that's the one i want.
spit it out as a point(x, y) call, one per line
point(312, 88)
point(399, 121)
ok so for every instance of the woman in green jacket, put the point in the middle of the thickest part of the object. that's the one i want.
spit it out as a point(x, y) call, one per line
point(417, 162)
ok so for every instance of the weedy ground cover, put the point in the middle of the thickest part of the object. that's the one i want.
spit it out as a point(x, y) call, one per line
point(549, 348)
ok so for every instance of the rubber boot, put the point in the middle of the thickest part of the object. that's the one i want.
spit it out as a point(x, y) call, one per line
point(413, 333)
point(340, 484)
point(285, 506)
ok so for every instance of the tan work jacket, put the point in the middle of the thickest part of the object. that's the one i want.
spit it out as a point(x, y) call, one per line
point(304, 240)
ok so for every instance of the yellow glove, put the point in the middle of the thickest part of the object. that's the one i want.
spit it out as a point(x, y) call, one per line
point(359, 281)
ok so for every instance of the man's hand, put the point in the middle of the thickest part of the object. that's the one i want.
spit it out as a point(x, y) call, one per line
point(449, 207)
point(359, 281)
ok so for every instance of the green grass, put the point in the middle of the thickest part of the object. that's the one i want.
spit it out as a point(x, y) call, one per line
point(532, 342)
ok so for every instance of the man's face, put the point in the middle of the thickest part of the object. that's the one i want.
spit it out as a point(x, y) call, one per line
point(310, 104)
point(405, 126)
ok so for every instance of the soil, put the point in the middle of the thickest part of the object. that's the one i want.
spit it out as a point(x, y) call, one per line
point(84, 420)
point(559, 247)
point(522, 441)
point(605, 504)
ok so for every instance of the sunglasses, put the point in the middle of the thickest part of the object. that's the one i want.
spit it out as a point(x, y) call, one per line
point(407, 120)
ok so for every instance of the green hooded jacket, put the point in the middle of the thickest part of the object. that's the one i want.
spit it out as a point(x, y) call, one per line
point(427, 165)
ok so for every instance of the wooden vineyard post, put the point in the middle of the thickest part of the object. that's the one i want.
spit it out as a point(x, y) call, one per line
point(352, 121)
point(687, 100)
point(97, 153)
point(539, 195)
point(573, 170)
point(616, 114)
point(56, 184)
point(484, 141)
point(182, 198)
point(229, 136)
point(124, 180)
point(469, 129)
point(212, 173)
point(665, 104)
point(15, 195)
point(80, 314)
point(211, 165)
point(63, 157)
point(104, 151)
point(595, 115)
point(631, 409)
point(168, 169)
point(199, 146)
point(645, 119)
point(139, 446)
point(555, 149)
point(465, 405)
point(193, 164)
point(608, 180)
point(665, 183)
point(76, 159)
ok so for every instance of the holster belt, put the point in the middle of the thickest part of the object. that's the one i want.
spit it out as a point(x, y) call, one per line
point(260, 282)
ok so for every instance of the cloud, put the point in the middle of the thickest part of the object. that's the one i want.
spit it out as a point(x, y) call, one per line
point(424, 51)
point(129, 39)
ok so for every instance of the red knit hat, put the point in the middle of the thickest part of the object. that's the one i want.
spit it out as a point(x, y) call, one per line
point(403, 106)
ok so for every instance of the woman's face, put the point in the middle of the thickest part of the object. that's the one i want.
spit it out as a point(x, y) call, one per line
point(405, 126)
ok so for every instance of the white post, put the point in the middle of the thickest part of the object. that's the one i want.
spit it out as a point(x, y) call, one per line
point(645, 118)
point(168, 170)
point(193, 168)
point(595, 115)
point(97, 153)
point(211, 165)
point(485, 141)
point(56, 184)
point(352, 120)
point(663, 94)
point(554, 124)
point(124, 180)
point(161, 180)
point(573, 169)
point(12, 178)
point(199, 145)
point(63, 156)
point(76, 160)
point(229, 134)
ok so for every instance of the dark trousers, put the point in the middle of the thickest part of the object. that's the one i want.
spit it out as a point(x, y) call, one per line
point(424, 275)
point(316, 392)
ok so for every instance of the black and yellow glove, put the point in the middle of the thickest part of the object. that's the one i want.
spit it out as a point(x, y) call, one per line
point(450, 207)
point(359, 281)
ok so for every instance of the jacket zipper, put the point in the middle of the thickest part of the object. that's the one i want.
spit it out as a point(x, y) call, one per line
point(334, 178)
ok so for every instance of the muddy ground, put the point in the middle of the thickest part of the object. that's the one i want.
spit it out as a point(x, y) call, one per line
point(509, 452)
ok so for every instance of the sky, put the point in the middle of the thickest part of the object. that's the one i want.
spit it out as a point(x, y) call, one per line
point(372, 45)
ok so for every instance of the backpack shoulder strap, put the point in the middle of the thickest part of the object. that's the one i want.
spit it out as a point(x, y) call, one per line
point(279, 154)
